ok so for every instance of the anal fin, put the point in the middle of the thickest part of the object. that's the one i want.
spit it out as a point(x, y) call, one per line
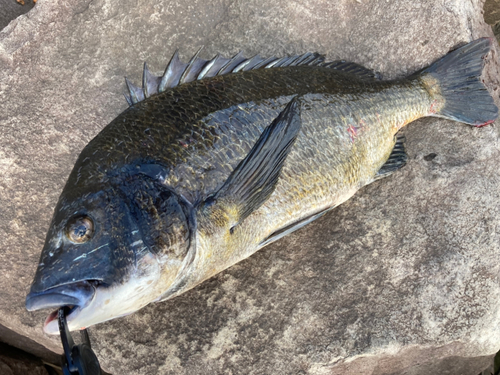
point(293, 227)
point(397, 159)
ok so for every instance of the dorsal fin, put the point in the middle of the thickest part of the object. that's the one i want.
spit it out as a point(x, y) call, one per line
point(352, 68)
point(177, 72)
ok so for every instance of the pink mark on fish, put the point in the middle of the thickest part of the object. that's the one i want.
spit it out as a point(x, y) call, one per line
point(433, 109)
point(354, 130)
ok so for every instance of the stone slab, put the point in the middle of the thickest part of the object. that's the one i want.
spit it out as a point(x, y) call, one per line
point(404, 274)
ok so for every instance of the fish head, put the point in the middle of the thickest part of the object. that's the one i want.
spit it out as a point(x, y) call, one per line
point(105, 252)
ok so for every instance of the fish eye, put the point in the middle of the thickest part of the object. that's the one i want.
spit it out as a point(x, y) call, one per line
point(80, 229)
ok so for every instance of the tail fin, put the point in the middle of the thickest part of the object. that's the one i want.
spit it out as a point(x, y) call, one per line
point(459, 76)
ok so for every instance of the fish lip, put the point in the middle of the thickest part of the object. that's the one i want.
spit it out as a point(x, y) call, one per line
point(51, 324)
point(78, 294)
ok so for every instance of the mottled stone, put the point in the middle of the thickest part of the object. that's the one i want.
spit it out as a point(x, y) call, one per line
point(401, 279)
point(496, 31)
point(492, 11)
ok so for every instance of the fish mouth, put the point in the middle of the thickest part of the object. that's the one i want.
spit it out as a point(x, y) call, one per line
point(75, 295)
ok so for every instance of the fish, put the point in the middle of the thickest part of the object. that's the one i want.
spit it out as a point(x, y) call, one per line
point(215, 159)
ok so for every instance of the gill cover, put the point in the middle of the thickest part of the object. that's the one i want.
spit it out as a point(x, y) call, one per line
point(163, 218)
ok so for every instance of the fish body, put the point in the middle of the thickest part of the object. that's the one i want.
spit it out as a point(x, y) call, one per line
point(191, 180)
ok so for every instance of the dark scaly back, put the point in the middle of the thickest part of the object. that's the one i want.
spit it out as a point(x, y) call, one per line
point(192, 119)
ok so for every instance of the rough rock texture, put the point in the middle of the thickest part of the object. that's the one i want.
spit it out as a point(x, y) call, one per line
point(402, 279)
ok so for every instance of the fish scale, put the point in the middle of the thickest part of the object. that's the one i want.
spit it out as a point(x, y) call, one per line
point(195, 177)
point(168, 116)
point(314, 181)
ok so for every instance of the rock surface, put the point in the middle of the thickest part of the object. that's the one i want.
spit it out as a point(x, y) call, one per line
point(401, 279)
point(16, 362)
point(492, 11)
point(10, 9)
point(26, 344)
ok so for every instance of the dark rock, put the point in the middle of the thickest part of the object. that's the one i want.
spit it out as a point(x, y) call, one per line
point(492, 11)
point(16, 340)
point(10, 9)
point(496, 31)
point(16, 362)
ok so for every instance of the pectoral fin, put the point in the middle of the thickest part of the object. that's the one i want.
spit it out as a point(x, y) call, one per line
point(254, 179)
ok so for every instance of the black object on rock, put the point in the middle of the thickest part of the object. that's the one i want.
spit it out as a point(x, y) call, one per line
point(77, 359)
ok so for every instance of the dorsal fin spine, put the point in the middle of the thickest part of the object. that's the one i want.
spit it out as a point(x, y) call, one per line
point(292, 60)
point(150, 82)
point(136, 93)
point(189, 66)
point(265, 62)
point(168, 76)
point(145, 72)
point(128, 99)
point(256, 60)
point(229, 66)
point(207, 67)
point(243, 64)
point(273, 63)
point(177, 72)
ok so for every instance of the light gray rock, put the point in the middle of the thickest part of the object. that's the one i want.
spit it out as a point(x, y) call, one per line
point(401, 279)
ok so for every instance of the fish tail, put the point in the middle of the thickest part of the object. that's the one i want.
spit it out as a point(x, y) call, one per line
point(454, 83)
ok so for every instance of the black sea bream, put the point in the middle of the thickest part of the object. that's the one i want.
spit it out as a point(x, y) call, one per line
point(216, 159)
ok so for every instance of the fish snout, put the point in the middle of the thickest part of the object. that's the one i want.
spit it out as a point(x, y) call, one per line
point(77, 294)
